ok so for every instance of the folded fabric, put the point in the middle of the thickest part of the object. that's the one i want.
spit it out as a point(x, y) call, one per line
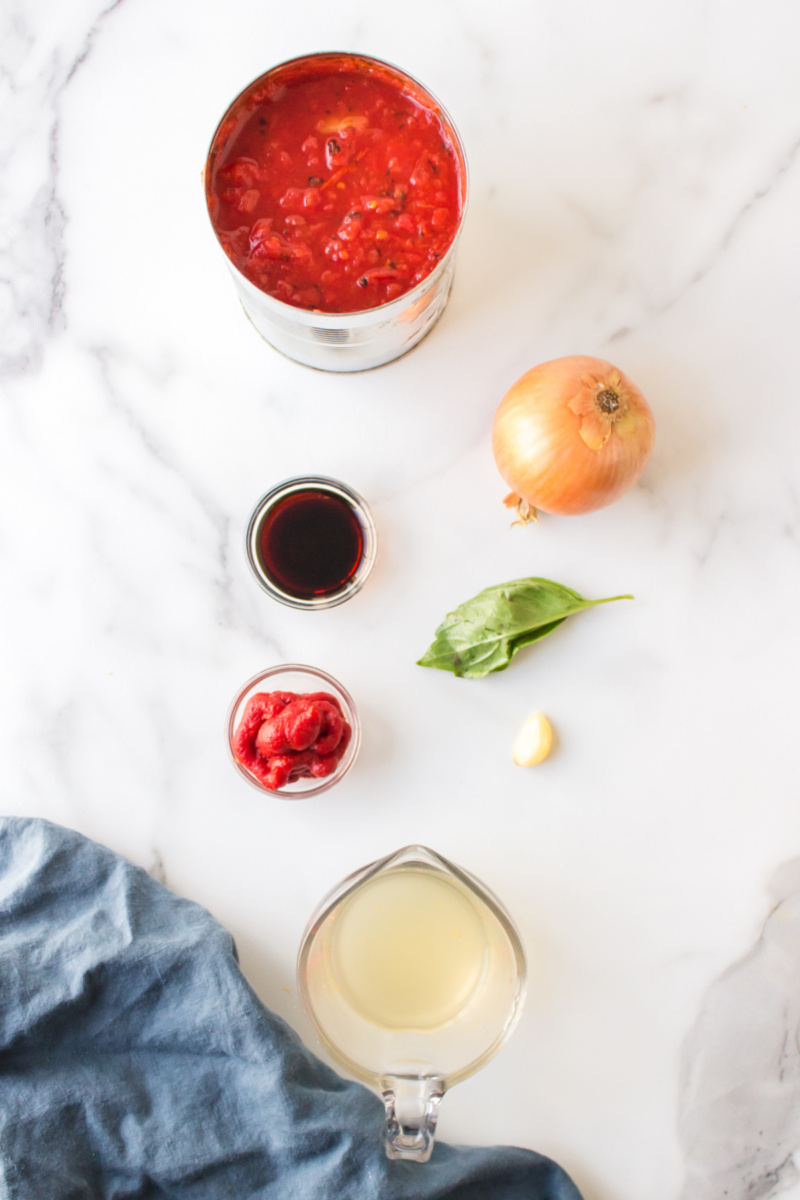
point(136, 1063)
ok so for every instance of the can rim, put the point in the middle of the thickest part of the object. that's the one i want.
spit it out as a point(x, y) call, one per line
point(389, 308)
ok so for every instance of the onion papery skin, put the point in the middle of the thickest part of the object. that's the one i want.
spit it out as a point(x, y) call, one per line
point(539, 440)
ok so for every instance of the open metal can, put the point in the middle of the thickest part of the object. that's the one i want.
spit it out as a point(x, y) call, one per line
point(357, 340)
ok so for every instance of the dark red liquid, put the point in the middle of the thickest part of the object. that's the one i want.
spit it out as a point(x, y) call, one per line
point(311, 543)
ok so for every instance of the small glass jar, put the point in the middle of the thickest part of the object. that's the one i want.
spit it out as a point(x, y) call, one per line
point(294, 677)
point(363, 531)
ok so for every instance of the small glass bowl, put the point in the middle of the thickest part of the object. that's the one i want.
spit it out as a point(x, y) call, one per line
point(320, 483)
point(293, 677)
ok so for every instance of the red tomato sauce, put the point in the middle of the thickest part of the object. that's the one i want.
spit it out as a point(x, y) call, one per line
point(334, 185)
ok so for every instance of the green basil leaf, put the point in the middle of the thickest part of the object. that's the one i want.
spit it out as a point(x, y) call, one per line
point(485, 633)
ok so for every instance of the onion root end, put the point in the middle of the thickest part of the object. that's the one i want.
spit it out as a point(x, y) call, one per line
point(526, 513)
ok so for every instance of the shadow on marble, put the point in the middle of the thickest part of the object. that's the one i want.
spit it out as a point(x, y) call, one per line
point(379, 743)
point(504, 262)
point(264, 973)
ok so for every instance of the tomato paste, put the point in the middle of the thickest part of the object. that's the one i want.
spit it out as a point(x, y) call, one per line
point(333, 184)
point(283, 736)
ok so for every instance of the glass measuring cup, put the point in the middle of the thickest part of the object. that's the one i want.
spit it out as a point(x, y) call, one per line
point(413, 975)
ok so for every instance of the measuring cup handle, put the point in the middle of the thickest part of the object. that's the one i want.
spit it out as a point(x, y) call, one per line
point(412, 1106)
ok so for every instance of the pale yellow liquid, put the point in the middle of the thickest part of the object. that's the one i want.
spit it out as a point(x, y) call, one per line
point(408, 949)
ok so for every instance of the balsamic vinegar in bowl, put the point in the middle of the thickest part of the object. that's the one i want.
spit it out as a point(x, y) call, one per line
point(311, 542)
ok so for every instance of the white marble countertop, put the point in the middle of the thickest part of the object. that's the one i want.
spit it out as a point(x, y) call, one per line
point(635, 195)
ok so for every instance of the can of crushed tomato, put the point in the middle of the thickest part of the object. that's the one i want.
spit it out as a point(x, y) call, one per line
point(337, 186)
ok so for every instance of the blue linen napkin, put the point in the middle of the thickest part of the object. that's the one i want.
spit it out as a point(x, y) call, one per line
point(136, 1063)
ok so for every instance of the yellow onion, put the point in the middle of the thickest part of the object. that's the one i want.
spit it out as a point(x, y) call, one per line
point(571, 436)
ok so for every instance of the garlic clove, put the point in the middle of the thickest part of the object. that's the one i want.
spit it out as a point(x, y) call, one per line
point(533, 741)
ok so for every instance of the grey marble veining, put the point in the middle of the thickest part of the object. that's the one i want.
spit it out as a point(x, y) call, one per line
point(37, 62)
point(740, 1099)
